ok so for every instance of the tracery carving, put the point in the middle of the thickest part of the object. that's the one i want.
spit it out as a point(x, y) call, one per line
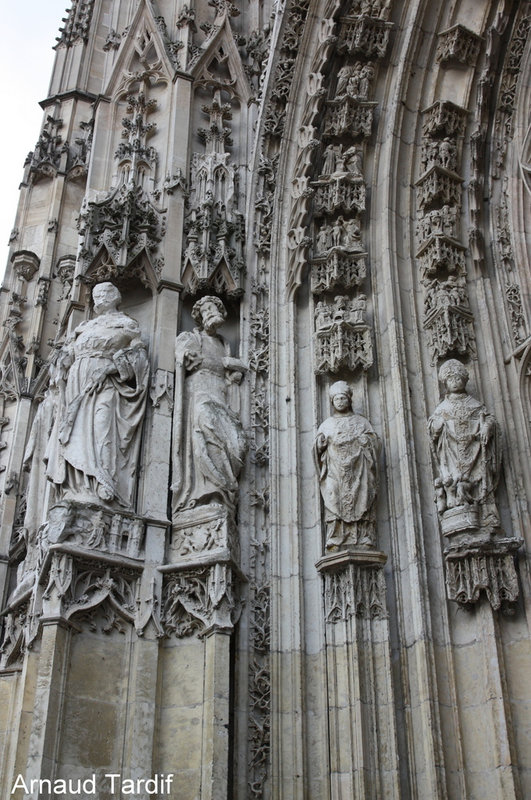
point(81, 588)
point(364, 35)
point(458, 44)
point(444, 118)
point(358, 591)
point(339, 268)
point(448, 319)
point(348, 116)
point(115, 231)
point(342, 335)
point(503, 122)
point(213, 257)
point(199, 601)
point(439, 186)
point(489, 569)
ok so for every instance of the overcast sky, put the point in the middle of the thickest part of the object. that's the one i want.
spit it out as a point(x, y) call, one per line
point(29, 29)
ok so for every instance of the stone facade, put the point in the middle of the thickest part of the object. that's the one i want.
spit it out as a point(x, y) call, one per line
point(265, 389)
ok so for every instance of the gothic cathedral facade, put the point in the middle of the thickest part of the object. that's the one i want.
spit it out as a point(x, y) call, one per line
point(265, 406)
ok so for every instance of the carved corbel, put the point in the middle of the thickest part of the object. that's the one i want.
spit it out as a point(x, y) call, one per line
point(342, 336)
point(458, 45)
point(354, 585)
point(201, 601)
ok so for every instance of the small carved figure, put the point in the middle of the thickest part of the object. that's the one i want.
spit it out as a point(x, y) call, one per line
point(102, 384)
point(366, 76)
point(465, 442)
point(353, 161)
point(353, 234)
point(209, 442)
point(358, 308)
point(343, 77)
point(330, 159)
point(323, 317)
point(337, 232)
point(346, 455)
point(323, 238)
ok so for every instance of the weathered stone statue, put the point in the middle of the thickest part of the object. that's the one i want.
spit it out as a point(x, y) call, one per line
point(102, 382)
point(209, 442)
point(466, 446)
point(346, 454)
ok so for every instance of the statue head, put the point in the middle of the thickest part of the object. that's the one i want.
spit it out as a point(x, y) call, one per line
point(106, 297)
point(341, 395)
point(454, 375)
point(209, 313)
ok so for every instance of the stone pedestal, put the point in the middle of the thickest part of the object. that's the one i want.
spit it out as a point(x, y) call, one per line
point(477, 567)
point(363, 746)
point(200, 606)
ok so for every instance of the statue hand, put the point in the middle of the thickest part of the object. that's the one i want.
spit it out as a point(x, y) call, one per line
point(320, 442)
point(99, 379)
point(192, 360)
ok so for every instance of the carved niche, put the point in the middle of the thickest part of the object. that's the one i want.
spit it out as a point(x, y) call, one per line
point(448, 319)
point(213, 256)
point(342, 335)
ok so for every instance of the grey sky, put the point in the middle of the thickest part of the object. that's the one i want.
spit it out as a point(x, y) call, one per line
point(29, 29)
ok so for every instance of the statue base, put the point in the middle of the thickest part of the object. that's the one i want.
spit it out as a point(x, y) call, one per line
point(350, 536)
point(459, 519)
point(479, 568)
point(354, 584)
point(207, 530)
point(93, 527)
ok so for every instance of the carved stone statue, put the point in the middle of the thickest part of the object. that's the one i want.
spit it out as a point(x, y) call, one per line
point(465, 442)
point(346, 454)
point(102, 378)
point(209, 442)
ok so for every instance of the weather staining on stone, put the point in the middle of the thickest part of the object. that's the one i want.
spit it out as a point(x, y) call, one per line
point(102, 385)
point(465, 441)
point(209, 442)
point(346, 454)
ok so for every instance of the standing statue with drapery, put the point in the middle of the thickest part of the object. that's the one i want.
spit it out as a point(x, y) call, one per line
point(346, 453)
point(102, 382)
point(465, 441)
point(209, 444)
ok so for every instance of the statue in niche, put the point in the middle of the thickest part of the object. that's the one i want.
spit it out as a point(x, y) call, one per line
point(346, 454)
point(209, 442)
point(465, 442)
point(37, 483)
point(102, 382)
